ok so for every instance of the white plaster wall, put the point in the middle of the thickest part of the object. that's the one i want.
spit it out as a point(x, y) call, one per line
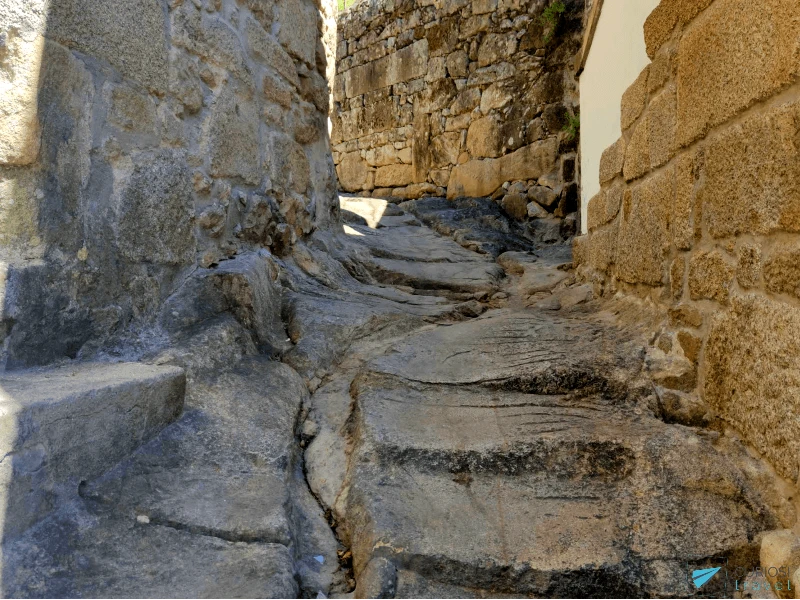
point(616, 58)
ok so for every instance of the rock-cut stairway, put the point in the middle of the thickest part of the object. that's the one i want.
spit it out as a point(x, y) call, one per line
point(388, 413)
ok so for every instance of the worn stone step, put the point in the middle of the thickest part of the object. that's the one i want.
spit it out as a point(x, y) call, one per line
point(473, 429)
point(410, 584)
point(550, 538)
point(456, 277)
point(216, 505)
point(65, 425)
point(462, 478)
point(224, 468)
point(533, 352)
point(475, 223)
point(411, 244)
point(190, 477)
point(80, 553)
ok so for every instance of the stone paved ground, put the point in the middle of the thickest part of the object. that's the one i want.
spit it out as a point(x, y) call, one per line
point(452, 416)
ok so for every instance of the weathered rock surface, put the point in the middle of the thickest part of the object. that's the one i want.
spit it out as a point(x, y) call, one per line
point(478, 224)
point(425, 432)
point(524, 452)
point(141, 140)
point(62, 426)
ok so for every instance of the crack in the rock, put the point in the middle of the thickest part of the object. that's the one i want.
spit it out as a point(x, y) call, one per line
point(347, 569)
point(212, 532)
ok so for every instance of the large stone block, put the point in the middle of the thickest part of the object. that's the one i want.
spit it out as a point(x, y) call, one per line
point(352, 171)
point(752, 175)
point(644, 237)
point(474, 25)
point(484, 138)
point(685, 183)
point(637, 153)
point(501, 72)
point(495, 48)
point(25, 17)
point(442, 36)
point(596, 211)
point(612, 160)
point(604, 206)
point(43, 324)
point(394, 176)
point(653, 141)
point(602, 248)
point(752, 378)
point(66, 95)
point(210, 38)
point(409, 63)
point(132, 109)
point(477, 178)
point(457, 64)
point(445, 149)
point(465, 101)
point(710, 276)
point(614, 196)
point(661, 70)
point(736, 53)
point(496, 96)
point(436, 96)
point(289, 168)
point(19, 85)
point(266, 49)
point(382, 155)
point(380, 115)
point(782, 269)
point(420, 148)
point(661, 127)
point(60, 427)
point(156, 210)
point(665, 17)
point(233, 143)
point(19, 209)
point(748, 269)
point(634, 100)
point(780, 553)
point(131, 36)
point(298, 29)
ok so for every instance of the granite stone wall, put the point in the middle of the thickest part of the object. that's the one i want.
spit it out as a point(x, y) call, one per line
point(459, 98)
point(700, 213)
point(141, 140)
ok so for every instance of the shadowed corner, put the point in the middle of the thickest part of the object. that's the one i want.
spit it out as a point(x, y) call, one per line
point(98, 228)
point(8, 436)
point(22, 55)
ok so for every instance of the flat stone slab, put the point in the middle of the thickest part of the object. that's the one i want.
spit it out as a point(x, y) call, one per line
point(486, 430)
point(226, 468)
point(412, 244)
point(65, 425)
point(537, 352)
point(456, 277)
point(80, 554)
point(475, 223)
point(538, 495)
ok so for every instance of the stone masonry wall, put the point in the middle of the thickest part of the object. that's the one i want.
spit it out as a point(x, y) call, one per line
point(700, 212)
point(143, 139)
point(458, 97)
